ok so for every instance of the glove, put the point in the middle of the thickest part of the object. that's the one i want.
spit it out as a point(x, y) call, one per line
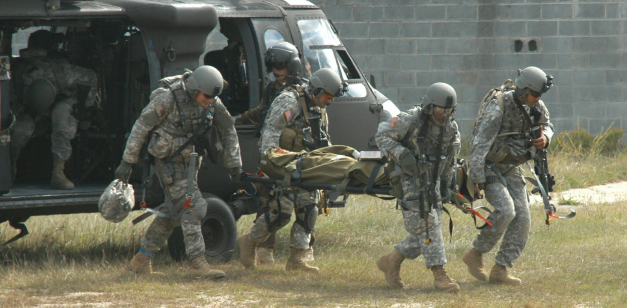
point(236, 174)
point(408, 163)
point(123, 172)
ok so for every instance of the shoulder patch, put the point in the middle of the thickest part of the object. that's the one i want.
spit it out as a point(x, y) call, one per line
point(160, 111)
point(288, 116)
point(394, 122)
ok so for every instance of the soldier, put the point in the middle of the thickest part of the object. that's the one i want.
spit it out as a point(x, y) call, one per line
point(283, 61)
point(43, 80)
point(183, 105)
point(424, 143)
point(290, 113)
point(498, 149)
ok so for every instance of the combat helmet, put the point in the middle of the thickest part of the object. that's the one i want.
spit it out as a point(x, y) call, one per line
point(441, 95)
point(534, 79)
point(40, 95)
point(206, 79)
point(281, 56)
point(326, 80)
point(45, 39)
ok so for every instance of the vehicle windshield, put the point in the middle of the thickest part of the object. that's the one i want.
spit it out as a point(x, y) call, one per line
point(318, 40)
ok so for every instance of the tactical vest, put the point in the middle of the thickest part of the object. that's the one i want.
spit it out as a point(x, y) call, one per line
point(36, 59)
point(431, 139)
point(512, 132)
point(292, 137)
point(185, 118)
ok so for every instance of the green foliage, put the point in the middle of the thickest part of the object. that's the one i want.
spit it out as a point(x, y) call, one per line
point(568, 201)
point(580, 142)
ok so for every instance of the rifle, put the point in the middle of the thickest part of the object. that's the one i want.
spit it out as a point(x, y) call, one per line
point(319, 137)
point(544, 181)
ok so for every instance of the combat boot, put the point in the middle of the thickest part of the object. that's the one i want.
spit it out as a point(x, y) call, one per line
point(202, 269)
point(247, 250)
point(499, 274)
point(141, 264)
point(295, 262)
point(264, 255)
point(390, 265)
point(308, 256)
point(474, 261)
point(442, 281)
point(58, 180)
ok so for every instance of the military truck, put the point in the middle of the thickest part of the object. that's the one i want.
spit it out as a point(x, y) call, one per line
point(131, 45)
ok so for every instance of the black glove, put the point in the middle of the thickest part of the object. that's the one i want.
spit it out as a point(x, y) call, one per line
point(123, 172)
point(236, 174)
point(408, 163)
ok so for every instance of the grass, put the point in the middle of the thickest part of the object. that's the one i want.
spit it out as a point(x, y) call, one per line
point(80, 261)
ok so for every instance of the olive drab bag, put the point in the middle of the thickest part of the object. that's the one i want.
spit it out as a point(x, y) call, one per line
point(329, 165)
point(496, 93)
point(116, 201)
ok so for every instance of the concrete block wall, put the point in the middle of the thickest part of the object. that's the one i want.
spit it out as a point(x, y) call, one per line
point(475, 45)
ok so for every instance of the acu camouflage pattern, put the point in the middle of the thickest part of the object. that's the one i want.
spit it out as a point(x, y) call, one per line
point(392, 141)
point(257, 115)
point(170, 131)
point(299, 237)
point(276, 121)
point(493, 121)
point(64, 77)
point(510, 218)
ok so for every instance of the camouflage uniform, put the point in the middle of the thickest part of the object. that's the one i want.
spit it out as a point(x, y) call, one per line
point(393, 138)
point(286, 110)
point(496, 159)
point(170, 124)
point(64, 77)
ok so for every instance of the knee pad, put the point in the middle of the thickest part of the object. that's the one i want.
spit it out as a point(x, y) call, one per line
point(308, 222)
point(281, 219)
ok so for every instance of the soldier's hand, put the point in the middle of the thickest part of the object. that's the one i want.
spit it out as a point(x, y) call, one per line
point(281, 151)
point(123, 172)
point(539, 143)
point(478, 194)
point(236, 174)
point(408, 163)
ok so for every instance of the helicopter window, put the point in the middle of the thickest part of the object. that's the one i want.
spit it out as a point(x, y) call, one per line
point(20, 38)
point(272, 37)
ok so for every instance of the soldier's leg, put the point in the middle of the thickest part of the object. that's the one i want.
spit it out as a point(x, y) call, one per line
point(499, 197)
point(300, 234)
point(415, 242)
point(22, 131)
point(63, 128)
point(517, 233)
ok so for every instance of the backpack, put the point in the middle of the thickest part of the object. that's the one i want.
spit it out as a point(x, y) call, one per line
point(495, 93)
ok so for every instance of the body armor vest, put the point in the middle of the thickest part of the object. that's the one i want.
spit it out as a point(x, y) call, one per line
point(187, 116)
point(431, 139)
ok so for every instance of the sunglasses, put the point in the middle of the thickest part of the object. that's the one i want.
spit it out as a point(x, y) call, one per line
point(535, 94)
point(207, 96)
point(328, 96)
point(443, 110)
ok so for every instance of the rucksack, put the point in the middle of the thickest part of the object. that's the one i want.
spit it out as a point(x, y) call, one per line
point(495, 93)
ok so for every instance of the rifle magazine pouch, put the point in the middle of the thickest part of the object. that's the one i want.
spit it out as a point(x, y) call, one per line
point(292, 139)
point(214, 145)
point(116, 201)
point(160, 145)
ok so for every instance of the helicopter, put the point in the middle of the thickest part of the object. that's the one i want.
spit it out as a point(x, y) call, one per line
point(131, 45)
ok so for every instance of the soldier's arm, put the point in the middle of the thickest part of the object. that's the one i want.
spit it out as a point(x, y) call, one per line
point(157, 110)
point(453, 150)
point(284, 109)
point(391, 132)
point(488, 126)
point(84, 76)
point(224, 122)
point(252, 116)
point(547, 126)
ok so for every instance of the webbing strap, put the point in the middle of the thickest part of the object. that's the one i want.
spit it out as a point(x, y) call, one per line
point(150, 254)
point(303, 102)
point(450, 224)
point(373, 175)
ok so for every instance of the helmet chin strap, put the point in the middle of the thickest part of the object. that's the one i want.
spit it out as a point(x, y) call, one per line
point(524, 97)
point(432, 116)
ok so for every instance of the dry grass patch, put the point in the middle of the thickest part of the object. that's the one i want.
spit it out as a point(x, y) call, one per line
point(80, 261)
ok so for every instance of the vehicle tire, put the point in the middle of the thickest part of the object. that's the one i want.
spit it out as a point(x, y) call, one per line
point(219, 231)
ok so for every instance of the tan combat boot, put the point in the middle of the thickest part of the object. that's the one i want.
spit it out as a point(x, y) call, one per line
point(264, 255)
point(442, 281)
point(202, 269)
point(295, 262)
point(58, 180)
point(141, 264)
point(391, 266)
point(499, 274)
point(308, 256)
point(247, 249)
point(474, 261)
